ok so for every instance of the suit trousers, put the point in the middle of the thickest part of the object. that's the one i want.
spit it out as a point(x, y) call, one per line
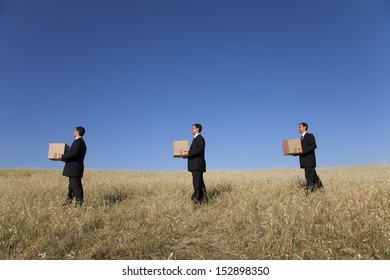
point(311, 176)
point(199, 186)
point(75, 188)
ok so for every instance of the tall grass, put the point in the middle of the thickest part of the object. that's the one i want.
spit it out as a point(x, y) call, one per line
point(253, 214)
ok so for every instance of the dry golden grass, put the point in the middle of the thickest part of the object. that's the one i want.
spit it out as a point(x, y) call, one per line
point(259, 214)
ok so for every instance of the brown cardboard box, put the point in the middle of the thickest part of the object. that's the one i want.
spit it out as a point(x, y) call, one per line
point(57, 148)
point(179, 147)
point(291, 146)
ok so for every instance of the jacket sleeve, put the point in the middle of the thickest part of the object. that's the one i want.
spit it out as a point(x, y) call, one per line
point(197, 148)
point(310, 144)
point(73, 151)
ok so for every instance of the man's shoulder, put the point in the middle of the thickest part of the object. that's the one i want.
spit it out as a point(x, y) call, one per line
point(309, 137)
point(81, 139)
point(78, 141)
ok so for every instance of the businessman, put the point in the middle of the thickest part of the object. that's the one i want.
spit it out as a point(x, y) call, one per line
point(307, 159)
point(74, 167)
point(197, 164)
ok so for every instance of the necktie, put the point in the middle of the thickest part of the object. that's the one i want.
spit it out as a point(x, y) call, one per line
point(301, 138)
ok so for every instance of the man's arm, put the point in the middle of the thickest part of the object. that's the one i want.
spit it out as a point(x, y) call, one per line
point(73, 151)
point(310, 144)
point(197, 147)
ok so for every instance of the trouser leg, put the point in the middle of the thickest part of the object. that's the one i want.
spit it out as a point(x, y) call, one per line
point(198, 183)
point(317, 181)
point(76, 188)
point(310, 175)
point(204, 193)
point(70, 192)
point(193, 197)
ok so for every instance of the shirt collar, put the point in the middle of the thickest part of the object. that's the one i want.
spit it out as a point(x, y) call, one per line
point(196, 135)
point(303, 134)
point(78, 137)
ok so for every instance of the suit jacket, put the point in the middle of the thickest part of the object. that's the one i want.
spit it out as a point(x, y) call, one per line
point(308, 156)
point(74, 159)
point(196, 161)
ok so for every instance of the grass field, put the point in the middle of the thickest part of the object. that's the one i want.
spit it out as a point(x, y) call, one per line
point(252, 214)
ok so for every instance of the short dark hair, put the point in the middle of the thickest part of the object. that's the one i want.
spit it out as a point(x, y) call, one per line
point(198, 125)
point(305, 125)
point(81, 130)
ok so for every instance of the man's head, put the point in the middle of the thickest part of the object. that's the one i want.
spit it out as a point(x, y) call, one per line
point(303, 127)
point(196, 128)
point(79, 131)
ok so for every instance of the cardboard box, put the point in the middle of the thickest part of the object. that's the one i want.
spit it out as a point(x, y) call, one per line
point(57, 148)
point(291, 146)
point(180, 147)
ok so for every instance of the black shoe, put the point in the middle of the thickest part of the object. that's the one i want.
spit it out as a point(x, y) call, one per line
point(319, 186)
point(200, 200)
point(309, 189)
point(79, 203)
point(67, 202)
point(205, 198)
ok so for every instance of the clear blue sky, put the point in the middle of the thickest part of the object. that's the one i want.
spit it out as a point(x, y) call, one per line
point(137, 74)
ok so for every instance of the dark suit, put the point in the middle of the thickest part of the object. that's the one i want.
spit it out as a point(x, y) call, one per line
point(74, 168)
point(197, 165)
point(307, 159)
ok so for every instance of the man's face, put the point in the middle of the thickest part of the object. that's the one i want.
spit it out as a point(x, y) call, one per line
point(75, 133)
point(301, 128)
point(195, 130)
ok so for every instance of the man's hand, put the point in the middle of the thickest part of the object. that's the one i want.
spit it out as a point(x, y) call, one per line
point(185, 155)
point(59, 156)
